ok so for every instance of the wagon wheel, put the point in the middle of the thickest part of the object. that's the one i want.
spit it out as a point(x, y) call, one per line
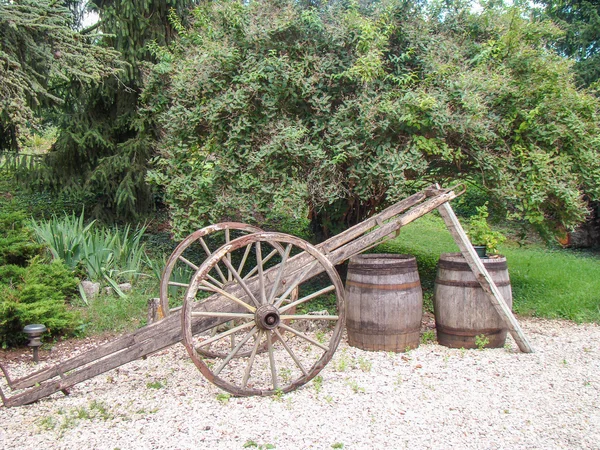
point(192, 251)
point(259, 304)
point(189, 255)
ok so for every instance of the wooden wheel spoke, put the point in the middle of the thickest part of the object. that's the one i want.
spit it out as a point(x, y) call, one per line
point(225, 334)
point(303, 336)
point(267, 259)
point(243, 262)
point(235, 350)
point(175, 283)
point(228, 255)
point(307, 298)
point(261, 278)
point(222, 314)
point(228, 295)
point(277, 281)
point(242, 283)
point(251, 360)
point(307, 317)
point(291, 353)
point(272, 361)
point(295, 283)
point(214, 280)
point(188, 262)
point(209, 253)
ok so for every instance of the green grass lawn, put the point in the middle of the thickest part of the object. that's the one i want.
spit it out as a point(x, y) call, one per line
point(546, 283)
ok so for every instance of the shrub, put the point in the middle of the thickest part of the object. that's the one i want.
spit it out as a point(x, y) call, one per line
point(16, 245)
point(31, 291)
point(35, 303)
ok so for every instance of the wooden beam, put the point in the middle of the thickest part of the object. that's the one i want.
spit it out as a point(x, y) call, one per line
point(483, 277)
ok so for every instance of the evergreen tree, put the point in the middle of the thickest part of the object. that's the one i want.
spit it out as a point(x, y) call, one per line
point(40, 53)
point(102, 150)
point(581, 21)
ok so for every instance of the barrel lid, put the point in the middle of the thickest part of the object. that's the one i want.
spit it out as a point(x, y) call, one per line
point(456, 261)
point(379, 261)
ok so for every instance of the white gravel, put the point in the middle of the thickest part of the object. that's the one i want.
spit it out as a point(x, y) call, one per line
point(432, 397)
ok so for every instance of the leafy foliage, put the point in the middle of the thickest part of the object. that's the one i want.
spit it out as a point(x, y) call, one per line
point(271, 109)
point(110, 255)
point(480, 232)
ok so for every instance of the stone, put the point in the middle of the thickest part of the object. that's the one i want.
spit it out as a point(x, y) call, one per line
point(91, 289)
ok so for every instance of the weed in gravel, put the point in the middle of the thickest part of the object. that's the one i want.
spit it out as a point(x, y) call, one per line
point(337, 445)
point(101, 410)
point(318, 383)
point(278, 395)
point(285, 374)
point(364, 364)
point(155, 385)
point(481, 341)
point(428, 337)
point(320, 335)
point(251, 444)
point(82, 413)
point(342, 362)
point(462, 351)
point(329, 399)
point(223, 397)
point(399, 380)
point(47, 423)
point(356, 388)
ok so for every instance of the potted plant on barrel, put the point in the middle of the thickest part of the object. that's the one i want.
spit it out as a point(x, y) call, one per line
point(484, 240)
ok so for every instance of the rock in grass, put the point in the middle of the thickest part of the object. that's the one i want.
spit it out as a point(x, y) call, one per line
point(90, 288)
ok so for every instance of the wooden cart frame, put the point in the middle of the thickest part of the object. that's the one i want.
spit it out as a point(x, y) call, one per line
point(250, 315)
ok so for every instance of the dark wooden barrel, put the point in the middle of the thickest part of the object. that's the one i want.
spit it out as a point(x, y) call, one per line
point(384, 302)
point(462, 309)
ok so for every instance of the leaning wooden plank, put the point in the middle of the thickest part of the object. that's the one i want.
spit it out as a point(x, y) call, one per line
point(382, 233)
point(483, 277)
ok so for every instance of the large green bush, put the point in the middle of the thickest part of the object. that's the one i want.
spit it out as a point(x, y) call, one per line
point(38, 293)
point(31, 291)
point(270, 108)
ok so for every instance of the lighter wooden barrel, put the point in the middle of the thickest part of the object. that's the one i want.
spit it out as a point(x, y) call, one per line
point(462, 309)
point(384, 302)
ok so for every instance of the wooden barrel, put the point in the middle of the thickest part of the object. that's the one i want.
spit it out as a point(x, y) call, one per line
point(462, 309)
point(385, 302)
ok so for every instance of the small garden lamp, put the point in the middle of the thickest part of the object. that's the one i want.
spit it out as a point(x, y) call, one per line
point(34, 333)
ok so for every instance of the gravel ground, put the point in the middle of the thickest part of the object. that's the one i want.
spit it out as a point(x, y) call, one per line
point(431, 397)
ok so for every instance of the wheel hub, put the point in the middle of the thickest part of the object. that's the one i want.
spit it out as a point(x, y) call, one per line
point(267, 317)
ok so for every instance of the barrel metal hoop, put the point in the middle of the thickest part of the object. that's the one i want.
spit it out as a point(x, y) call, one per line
point(460, 266)
point(384, 287)
point(375, 332)
point(473, 284)
point(463, 332)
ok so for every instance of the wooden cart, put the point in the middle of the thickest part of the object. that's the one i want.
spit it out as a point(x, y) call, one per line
point(242, 316)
